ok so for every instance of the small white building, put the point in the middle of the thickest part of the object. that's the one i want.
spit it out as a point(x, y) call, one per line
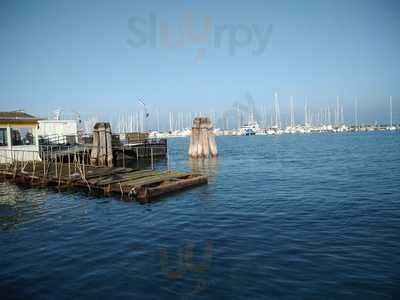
point(59, 131)
point(18, 137)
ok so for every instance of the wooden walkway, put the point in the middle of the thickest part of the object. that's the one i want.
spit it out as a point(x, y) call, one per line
point(142, 185)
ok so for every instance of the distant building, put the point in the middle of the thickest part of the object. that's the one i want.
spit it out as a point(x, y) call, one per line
point(18, 137)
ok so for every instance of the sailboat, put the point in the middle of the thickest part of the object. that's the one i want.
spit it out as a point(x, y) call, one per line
point(291, 129)
point(276, 128)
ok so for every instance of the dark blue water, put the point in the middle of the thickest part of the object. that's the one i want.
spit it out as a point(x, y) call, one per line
point(292, 217)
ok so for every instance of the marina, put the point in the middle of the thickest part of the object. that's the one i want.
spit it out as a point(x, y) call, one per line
point(63, 156)
point(200, 150)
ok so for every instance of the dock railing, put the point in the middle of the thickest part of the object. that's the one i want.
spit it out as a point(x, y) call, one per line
point(68, 160)
point(144, 152)
point(57, 139)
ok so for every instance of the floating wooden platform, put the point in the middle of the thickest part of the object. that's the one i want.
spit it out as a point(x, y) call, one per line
point(142, 185)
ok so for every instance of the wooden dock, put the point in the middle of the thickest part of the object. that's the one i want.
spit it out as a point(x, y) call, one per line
point(142, 185)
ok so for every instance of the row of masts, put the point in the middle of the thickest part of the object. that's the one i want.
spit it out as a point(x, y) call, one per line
point(323, 116)
point(137, 122)
point(334, 116)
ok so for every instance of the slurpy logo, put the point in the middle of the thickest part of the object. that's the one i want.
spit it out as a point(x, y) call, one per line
point(155, 31)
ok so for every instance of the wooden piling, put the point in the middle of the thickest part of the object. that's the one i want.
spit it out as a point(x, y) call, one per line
point(109, 145)
point(102, 145)
point(95, 147)
point(202, 141)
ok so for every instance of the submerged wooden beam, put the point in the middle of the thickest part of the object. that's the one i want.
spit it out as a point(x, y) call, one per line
point(143, 185)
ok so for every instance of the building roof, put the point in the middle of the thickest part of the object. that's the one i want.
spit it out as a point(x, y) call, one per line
point(17, 116)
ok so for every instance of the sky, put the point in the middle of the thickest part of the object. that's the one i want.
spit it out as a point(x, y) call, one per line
point(100, 57)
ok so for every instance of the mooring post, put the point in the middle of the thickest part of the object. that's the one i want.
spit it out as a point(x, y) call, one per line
point(34, 167)
point(44, 163)
point(95, 148)
point(83, 164)
point(55, 164)
point(123, 156)
point(151, 154)
point(69, 165)
point(61, 167)
point(51, 157)
point(12, 160)
point(202, 141)
point(15, 168)
point(168, 159)
point(109, 145)
point(75, 160)
point(101, 153)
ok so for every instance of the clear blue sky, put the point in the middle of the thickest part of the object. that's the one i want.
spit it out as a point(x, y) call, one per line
point(76, 55)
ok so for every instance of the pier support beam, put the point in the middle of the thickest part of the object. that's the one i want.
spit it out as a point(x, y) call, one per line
point(202, 140)
point(101, 154)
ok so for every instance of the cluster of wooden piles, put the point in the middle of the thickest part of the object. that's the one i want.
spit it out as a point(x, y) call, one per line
point(102, 154)
point(142, 185)
point(202, 139)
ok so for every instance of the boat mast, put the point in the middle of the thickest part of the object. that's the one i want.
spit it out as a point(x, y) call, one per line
point(170, 121)
point(356, 112)
point(337, 121)
point(277, 112)
point(238, 115)
point(158, 119)
point(341, 115)
point(329, 115)
point(265, 116)
point(391, 111)
point(306, 112)
point(291, 112)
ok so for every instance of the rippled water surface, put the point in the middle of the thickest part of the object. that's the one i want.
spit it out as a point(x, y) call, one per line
point(299, 217)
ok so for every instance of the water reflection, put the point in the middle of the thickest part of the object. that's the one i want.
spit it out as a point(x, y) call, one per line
point(9, 213)
point(207, 167)
point(186, 262)
point(13, 203)
point(9, 194)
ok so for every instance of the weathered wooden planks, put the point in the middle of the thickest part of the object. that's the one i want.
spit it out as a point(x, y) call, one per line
point(142, 185)
point(155, 178)
point(120, 177)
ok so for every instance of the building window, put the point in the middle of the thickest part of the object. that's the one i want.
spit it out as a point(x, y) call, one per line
point(22, 136)
point(3, 137)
